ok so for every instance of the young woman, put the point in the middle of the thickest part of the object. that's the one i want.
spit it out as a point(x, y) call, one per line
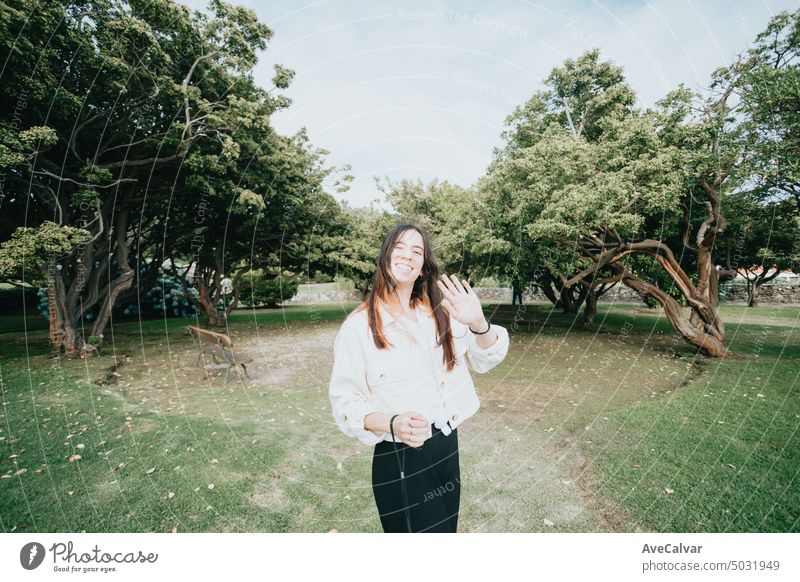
point(400, 381)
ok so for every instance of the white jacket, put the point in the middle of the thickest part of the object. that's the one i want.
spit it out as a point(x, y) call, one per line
point(408, 376)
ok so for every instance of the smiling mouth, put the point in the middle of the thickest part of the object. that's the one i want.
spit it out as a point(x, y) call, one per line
point(404, 268)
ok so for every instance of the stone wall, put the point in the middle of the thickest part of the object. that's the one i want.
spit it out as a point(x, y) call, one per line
point(503, 295)
point(769, 294)
point(324, 297)
point(487, 294)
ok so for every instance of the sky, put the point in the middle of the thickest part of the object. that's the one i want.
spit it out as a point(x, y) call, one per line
point(418, 89)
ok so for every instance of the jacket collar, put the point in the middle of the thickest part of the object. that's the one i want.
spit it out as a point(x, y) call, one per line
point(387, 318)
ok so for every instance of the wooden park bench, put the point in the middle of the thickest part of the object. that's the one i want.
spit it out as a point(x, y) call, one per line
point(218, 345)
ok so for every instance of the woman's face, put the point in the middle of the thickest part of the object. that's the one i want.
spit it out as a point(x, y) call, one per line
point(408, 256)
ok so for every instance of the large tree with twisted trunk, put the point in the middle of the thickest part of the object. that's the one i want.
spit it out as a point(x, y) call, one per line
point(586, 172)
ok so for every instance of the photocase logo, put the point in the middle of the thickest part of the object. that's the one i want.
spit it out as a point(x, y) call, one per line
point(31, 555)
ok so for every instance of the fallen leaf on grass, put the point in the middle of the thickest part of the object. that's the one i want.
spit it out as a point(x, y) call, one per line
point(149, 471)
point(669, 490)
point(170, 495)
point(548, 523)
point(74, 458)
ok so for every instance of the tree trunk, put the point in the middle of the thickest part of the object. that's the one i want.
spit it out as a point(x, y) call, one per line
point(752, 295)
point(207, 304)
point(572, 298)
point(690, 326)
point(545, 282)
point(118, 285)
point(758, 281)
point(590, 307)
point(63, 335)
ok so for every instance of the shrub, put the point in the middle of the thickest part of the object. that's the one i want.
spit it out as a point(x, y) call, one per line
point(260, 289)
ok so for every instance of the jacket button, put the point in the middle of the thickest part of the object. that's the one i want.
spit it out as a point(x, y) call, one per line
point(382, 376)
point(344, 418)
point(454, 417)
point(441, 384)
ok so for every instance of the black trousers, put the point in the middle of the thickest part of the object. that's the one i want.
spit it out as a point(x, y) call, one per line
point(432, 480)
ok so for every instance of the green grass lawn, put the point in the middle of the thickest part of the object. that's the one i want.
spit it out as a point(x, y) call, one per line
point(616, 427)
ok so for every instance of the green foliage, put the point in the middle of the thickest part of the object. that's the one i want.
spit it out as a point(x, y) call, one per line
point(41, 135)
point(769, 90)
point(283, 77)
point(94, 174)
point(350, 248)
point(453, 216)
point(261, 289)
point(31, 248)
point(579, 159)
point(581, 96)
point(157, 116)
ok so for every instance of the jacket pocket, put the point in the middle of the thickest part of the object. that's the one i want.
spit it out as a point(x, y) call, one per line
point(388, 373)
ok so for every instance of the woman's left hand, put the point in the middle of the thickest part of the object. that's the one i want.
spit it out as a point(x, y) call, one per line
point(461, 302)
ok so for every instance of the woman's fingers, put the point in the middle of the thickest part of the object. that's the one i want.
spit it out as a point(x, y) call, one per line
point(467, 286)
point(413, 432)
point(448, 283)
point(445, 290)
point(457, 284)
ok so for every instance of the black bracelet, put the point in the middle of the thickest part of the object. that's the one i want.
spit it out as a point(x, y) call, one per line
point(482, 332)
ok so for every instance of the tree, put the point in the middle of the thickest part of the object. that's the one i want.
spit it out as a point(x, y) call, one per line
point(580, 97)
point(263, 207)
point(33, 254)
point(768, 86)
point(597, 179)
point(766, 227)
point(121, 93)
point(761, 240)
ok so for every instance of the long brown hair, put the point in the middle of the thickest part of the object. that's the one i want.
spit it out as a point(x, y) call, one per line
point(426, 293)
